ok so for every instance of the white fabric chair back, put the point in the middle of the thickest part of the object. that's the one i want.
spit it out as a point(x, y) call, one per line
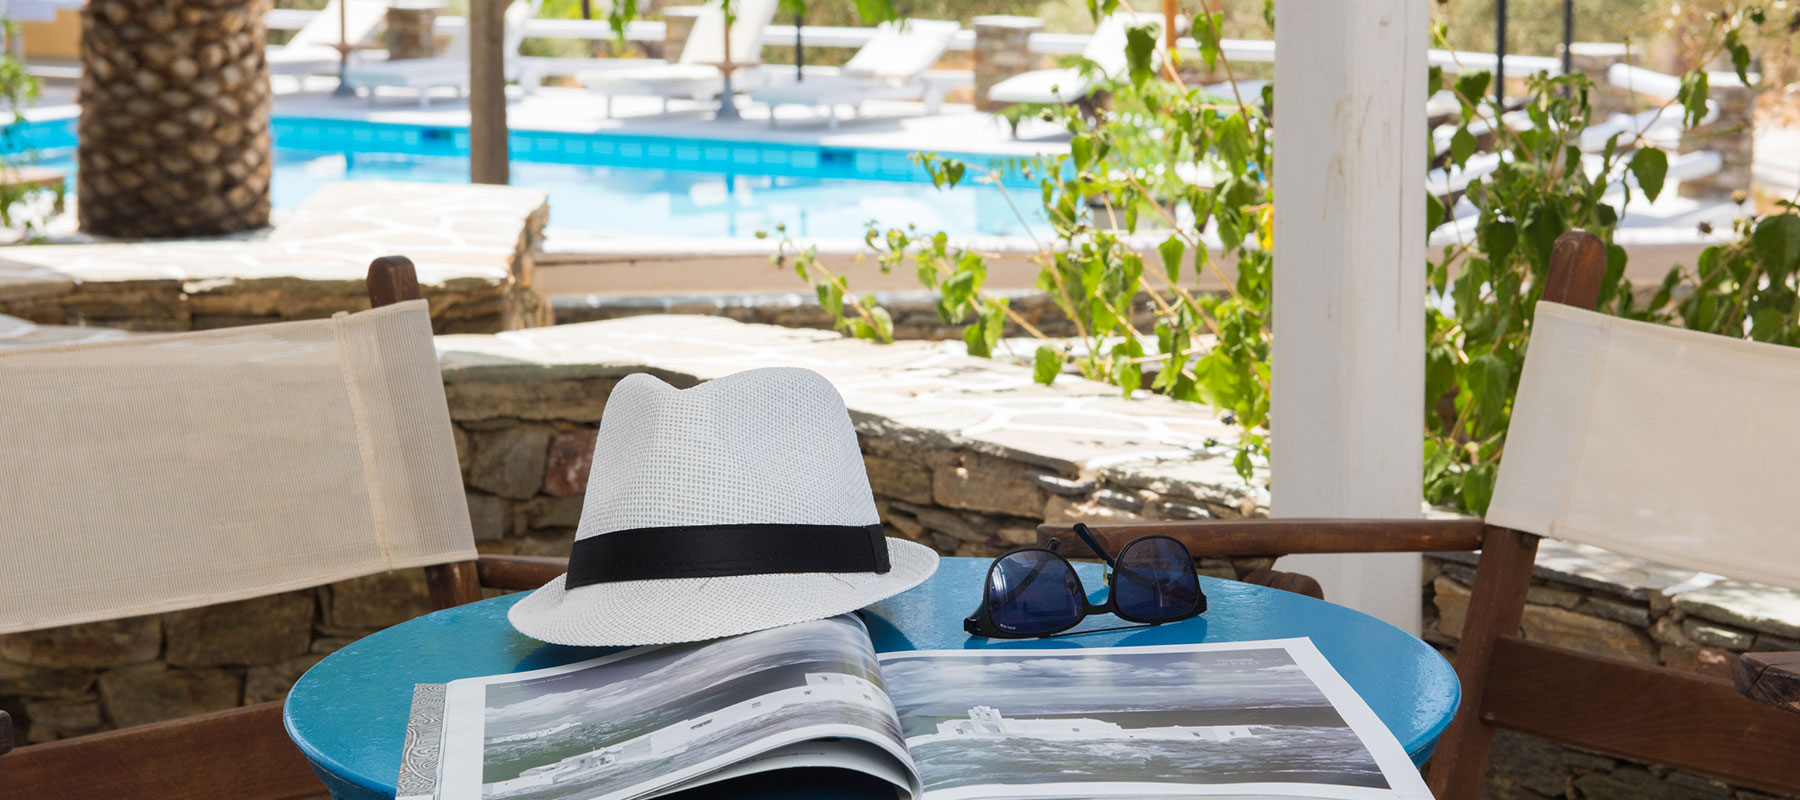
point(1107, 46)
point(361, 16)
point(706, 39)
point(902, 51)
point(163, 472)
point(1658, 442)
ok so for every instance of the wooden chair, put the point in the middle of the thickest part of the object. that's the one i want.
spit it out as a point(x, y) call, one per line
point(191, 758)
point(1581, 476)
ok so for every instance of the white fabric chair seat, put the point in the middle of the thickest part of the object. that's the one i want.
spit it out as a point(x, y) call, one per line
point(1044, 86)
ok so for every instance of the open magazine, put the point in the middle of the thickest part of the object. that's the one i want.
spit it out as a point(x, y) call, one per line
point(1242, 719)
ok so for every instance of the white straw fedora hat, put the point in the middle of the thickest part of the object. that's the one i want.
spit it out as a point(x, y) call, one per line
point(736, 505)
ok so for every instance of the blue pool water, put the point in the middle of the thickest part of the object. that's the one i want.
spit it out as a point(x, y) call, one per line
point(638, 185)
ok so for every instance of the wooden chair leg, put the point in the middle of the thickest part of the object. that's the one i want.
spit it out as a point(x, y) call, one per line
point(1496, 604)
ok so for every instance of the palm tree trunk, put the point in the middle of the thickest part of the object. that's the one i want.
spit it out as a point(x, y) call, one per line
point(174, 131)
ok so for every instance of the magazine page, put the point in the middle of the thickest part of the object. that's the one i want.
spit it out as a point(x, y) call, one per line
point(647, 721)
point(1241, 720)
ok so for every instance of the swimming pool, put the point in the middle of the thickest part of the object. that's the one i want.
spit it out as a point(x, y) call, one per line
point(608, 183)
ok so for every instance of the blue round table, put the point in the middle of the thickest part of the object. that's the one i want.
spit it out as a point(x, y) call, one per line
point(348, 714)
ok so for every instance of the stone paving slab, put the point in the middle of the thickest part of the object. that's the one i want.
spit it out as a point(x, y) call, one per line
point(472, 246)
point(934, 391)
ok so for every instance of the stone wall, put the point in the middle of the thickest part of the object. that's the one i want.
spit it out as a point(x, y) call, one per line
point(1594, 601)
point(914, 313)
point(475, 247)
point(82, 679)
point(964, 454)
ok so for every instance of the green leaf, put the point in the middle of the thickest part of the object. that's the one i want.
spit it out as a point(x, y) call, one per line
point(1740, 56)
point(976, 342)
point(1497, 239)
point(1649, 165)
point(1471, 88)
point(1692, 96)
point(1437, 461)
point(953, 172)
point(1540, 233)
point(1440, 376)
point(1434, 80)
point(1046, 364)
point(1081, 149)
point(984, 333)
point(1140, 51)
point(1127, 374)
point(621, 14)
point(1434, 213)
point(1488, 381)
point(1462, 145)
point(1233, 137)
point(884, 322)
point(1172, 250)
point(1776, 242)
point(1478, 488)
point(1206, 35)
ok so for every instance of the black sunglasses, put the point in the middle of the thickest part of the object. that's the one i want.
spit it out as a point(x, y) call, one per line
point(1033, 591)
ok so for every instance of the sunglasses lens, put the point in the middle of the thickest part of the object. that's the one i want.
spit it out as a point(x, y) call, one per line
point(1033, 592)
point(1154, 580)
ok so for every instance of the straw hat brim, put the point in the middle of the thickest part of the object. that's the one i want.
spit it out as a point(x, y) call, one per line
point(665, 611)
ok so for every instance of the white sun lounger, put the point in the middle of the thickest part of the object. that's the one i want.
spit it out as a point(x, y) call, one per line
point(1069, 85)
point(313, 50)
point(449, 69)
point(891, 66)
point(694, 75)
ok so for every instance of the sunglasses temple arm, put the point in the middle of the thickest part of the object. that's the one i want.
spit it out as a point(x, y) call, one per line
point(1093, 542)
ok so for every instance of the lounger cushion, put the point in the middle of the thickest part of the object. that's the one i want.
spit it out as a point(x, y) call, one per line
point(660, 80)
point(1042, 86)
point(818, 90)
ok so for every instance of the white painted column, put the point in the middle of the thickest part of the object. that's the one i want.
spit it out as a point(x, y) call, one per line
point(1349, 283)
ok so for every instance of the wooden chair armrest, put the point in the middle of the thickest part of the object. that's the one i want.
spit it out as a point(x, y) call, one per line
point(519, 573)
point(1772, 679)
point(1280, 537)
point(6, 733)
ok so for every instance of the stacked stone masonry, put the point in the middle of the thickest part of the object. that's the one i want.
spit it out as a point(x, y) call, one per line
point(915, 313)
point(474, 247)
point(966, 455)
